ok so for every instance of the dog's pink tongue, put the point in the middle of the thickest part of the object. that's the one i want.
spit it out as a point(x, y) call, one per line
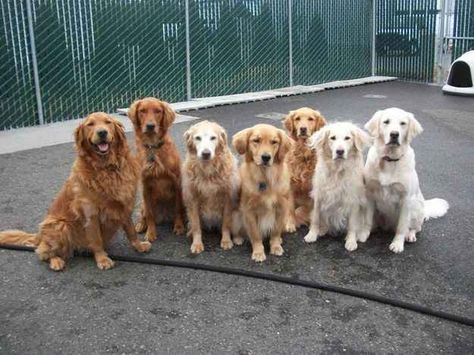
point(103, 147)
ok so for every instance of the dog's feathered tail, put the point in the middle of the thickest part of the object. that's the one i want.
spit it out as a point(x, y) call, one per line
point(16, 237)
point(436, 207)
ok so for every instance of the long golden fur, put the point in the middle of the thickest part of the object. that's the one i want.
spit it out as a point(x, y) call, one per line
point(160, 166)
point(265, 185)
point(95, 201)
point(300, 125)
point(210, 182)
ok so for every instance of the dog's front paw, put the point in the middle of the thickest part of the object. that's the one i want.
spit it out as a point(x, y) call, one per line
point(197, 248)
point(150, 235)
point(411, 236)
point(351, 244)
point(142, 247)
point(311, 237)
point(363, 236)
point(396, 246)
point(238, 240)
point(226, 244)
point(56, 263)
point(105, 263)
point(179, 228)
point(258, 256)
point(290, 227)
point(276, 250)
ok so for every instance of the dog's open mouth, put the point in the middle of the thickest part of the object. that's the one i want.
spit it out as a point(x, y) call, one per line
point(102, 148)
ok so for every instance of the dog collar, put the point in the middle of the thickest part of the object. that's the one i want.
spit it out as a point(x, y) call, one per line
point(387, 158)
point(151, 150)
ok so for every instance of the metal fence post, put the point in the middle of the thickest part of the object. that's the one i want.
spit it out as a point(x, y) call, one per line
point(438, 61)
point(290, 40)
point(374, 29)
point(34, 62)
point(188, 54)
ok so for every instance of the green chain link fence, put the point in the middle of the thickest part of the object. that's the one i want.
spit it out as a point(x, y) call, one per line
point(102, 54)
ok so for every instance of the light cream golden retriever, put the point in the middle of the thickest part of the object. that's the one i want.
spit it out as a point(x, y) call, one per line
point(392, 182)
point(265, 186)
point(300, 125)
point(210, 183)
point(338, 184)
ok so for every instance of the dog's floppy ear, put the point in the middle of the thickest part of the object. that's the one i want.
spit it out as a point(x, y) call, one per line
point(222, 138)
point(133, 112)
point(240, 140)
point(373, 125)
point(361, 139)
point(120, 135)
point(188, 138)
point(168, 115)
point(414, 127)
point(320, 121)
point(289, 125)
point(285, 145)
point(317, 140)
point(80, 139)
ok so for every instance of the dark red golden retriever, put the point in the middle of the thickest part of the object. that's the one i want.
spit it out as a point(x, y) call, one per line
point(160, 166)
point(95, 201)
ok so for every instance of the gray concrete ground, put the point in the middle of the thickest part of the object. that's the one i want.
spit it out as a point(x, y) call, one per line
point(139, 308)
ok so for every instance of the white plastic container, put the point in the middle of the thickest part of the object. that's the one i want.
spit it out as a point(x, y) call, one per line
point(461, 76)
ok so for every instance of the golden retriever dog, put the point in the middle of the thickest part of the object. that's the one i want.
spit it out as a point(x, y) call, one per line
point(210, 182)
point(392, 182)
point(96, 200)
point(339, 194)
point(160, 166)
point(265, 186)
point(301, 159)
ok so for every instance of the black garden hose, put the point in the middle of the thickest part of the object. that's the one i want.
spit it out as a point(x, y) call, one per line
point(282, 279)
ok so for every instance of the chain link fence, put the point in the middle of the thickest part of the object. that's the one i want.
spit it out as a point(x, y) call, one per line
point(61, 59)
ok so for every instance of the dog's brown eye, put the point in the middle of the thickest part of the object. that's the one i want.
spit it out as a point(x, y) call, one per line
point(213, 138)
point(346, 138)
point(108, 122)
point(156, 110)
point(274, 142)
point(403, 123)
point(143, 110)
point(198, 138)
point(333, 138)
point(297, 119)
point(311, 119)
point(386, 121)
point(256, 140)
point(90, 124)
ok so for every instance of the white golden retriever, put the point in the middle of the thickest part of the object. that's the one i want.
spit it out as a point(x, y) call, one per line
point(338, 184)
point(392, 182)
point(210, 183)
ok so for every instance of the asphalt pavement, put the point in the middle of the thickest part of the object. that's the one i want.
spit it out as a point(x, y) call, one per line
point(143, 308)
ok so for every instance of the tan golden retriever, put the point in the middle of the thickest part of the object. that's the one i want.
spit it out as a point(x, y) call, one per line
point(210, 182)
point(265, 185)
point(96, 200)
point(160, 166)
point(301, 159)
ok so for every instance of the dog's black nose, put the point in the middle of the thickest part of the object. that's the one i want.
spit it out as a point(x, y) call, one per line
point(206, 154)
point(340, 152)
point(394, 135)
point(266, 158)
point(303, 130)
point(150, 126)
point(102, 133)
